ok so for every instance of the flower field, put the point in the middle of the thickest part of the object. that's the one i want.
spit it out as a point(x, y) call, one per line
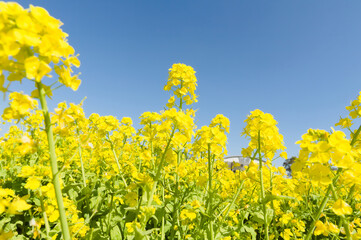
point(64, 175)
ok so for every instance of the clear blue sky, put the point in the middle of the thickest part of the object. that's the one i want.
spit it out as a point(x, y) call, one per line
point(298, 60)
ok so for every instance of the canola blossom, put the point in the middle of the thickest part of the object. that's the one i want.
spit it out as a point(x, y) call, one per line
point(64, 175)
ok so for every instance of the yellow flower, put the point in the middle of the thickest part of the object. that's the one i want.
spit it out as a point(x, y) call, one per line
point(286, 234)
point(11, 8)
point(262, 131)
point(31, 42)
point(188, 214)
point(182, 78)
point(286, 218)
point(6, 235)
point(47, 89)
point(196, 204)
point(171, 102)
point(320, 229)
point(42, 16)
point(66, 78)
point(344, 123)
point(20, 106)
point(340, 207)
point(221, 121)
point(53, 215)
point(36, 69)
point(283, 155)
point(157, 200)
point(356, 235)
point(17, 206)
point(33, 183)
point(332, 228)
point(27, 146)
point(144, 180)
point(4, 192)
point(131, 226)
point(320, 174)
point(127, 121)
point(3, 205)
point(131, 199)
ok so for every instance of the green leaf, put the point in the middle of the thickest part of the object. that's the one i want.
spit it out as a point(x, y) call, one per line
point(251, 231)
point(3, 173)
point(3, 221)
point(115, 233)
point(271, 197)
point(258, 217)
point(37, 202)
point(269, 212)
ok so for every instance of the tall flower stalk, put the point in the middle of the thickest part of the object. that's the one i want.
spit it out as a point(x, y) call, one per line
point(53, 162)
point(264, 204)
point(210, 192)
point(46, 51)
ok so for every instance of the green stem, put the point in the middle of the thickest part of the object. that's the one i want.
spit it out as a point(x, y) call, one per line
point(118, 165)
point(45, 216)
point(210, 202)
point(181, 97)
point(236, 195)
point(163, 222)
point(355, 136)
point(110, 212)
point(233, 200)
point(53, 163)
point(272, 204)
point(176, 192)
point(82, 165)
point(352, 191)
point(322, 206)
point(344, 221)
point(262, 188)
point(180, 103)
point(159, 170)
point(318, 214)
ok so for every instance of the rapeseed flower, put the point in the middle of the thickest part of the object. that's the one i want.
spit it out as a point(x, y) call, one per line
point(340, 207)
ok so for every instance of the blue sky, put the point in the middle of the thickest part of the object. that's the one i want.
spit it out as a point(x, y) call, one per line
point(298, 60)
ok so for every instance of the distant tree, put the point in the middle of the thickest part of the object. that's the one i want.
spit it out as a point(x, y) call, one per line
point(287, 165)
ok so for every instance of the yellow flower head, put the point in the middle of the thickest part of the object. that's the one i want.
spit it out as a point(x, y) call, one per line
point(262, 131)
point(340, 207)
point(17, 206)
point(33, 183)
point(183, 81)
point(320, 229)
point(33, 42)
point(20, 106)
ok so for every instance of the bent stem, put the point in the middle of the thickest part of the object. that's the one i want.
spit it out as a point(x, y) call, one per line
point(53, 163)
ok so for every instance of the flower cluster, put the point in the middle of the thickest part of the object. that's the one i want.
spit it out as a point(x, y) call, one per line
point(183, 81)
point(31, 46)
point(105, 179)
point(263, 133)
